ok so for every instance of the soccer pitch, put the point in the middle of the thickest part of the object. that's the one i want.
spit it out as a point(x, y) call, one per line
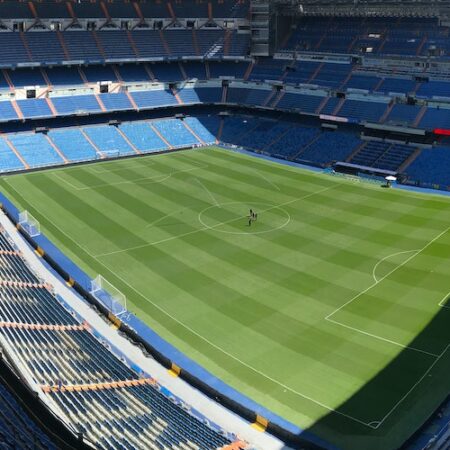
point(331, 309)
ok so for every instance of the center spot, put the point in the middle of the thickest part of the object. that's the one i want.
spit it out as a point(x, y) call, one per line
point(233, 217)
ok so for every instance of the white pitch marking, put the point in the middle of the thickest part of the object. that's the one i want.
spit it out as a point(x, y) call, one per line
point(387, 257)
point(165, 217)
point(441, 303)
point(69, 183)
point(158, 179)
point(267, 179)
point(268, 377)
point(286, 222)
point(369, 424)
point(388, 274)
point(171, 238)
point(216, 203)
point(413, 387)
point(398, 344)
point(207, 340)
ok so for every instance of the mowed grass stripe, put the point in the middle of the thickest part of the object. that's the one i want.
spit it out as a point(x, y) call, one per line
point(252, 308)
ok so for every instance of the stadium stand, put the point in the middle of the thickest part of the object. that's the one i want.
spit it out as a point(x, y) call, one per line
point(338, 75)
point(17, 430)
point(90, 384)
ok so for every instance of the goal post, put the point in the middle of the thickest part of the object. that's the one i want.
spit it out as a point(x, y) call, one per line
point(29, 224)
point(110, 154)
point(108, 295)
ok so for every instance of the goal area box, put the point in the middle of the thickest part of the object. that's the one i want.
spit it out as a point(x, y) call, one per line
point(109, 296)
point(29, 224)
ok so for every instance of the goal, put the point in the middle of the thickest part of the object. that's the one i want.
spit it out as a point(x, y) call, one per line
point(109, 296)
point(29, 224)
point(111, 154)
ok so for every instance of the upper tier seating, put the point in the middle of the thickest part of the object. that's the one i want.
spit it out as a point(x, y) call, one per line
point(146, 99)
point(220, 9)
point(96, 391)
point(379, 36)
point(74, 104)
point(52, 47)
point(34, 108)
point(364, 110)
point(435, 118)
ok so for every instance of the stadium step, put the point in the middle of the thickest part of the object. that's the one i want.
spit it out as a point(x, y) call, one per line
point(63, 45)
point(356, 151)
point(379, 84)
point(99, 44)
point(249, 70)
point(183, 72)
point(15, 151)
point(100, 103)
point(176, 95)
point(224, 93)
point(338, 107)
point(99, 386)
point(227, 42)
point(8, 79)
point(51, 106)
point(149, 72)
point(83, 76)
point(125, 137)
point(220, 131)
point(24, 284)
point(160, 135)
point(57, 150)
point(322, 104)
point(421, 46)
point(86, 136)
point(199, 139)
point(316, 72)
point(195, 42)
point(25, 44)
point(164, 43)
point(419, 117)
point(132, 43)
point(41, 326)
point(278, 98)
point(386, 113)
point(410, 160)
point(131, 99)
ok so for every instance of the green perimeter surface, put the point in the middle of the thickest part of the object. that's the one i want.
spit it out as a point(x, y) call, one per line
point(325, 310)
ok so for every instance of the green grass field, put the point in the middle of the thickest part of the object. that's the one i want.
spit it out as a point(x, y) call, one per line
point(331, 309)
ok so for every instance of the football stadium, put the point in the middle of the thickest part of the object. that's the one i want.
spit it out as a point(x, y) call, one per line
point(225, 224)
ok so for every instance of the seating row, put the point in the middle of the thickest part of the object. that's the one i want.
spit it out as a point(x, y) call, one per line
point(98, 393)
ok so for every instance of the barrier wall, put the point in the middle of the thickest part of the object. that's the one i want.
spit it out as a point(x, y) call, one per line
point(165, 353)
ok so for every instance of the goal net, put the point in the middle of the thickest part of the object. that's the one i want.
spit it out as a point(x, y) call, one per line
point(110, 153)
point(108, 295)
point(29, 224)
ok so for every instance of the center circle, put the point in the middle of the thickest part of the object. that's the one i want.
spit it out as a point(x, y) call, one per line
point(234, 218)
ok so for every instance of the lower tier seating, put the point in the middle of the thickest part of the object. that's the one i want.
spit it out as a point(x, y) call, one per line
point(96, 391)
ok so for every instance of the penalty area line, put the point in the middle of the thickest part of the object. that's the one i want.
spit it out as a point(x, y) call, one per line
point(235, 358)
point(198, 230)
point(388, 274)
point(443, 302)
